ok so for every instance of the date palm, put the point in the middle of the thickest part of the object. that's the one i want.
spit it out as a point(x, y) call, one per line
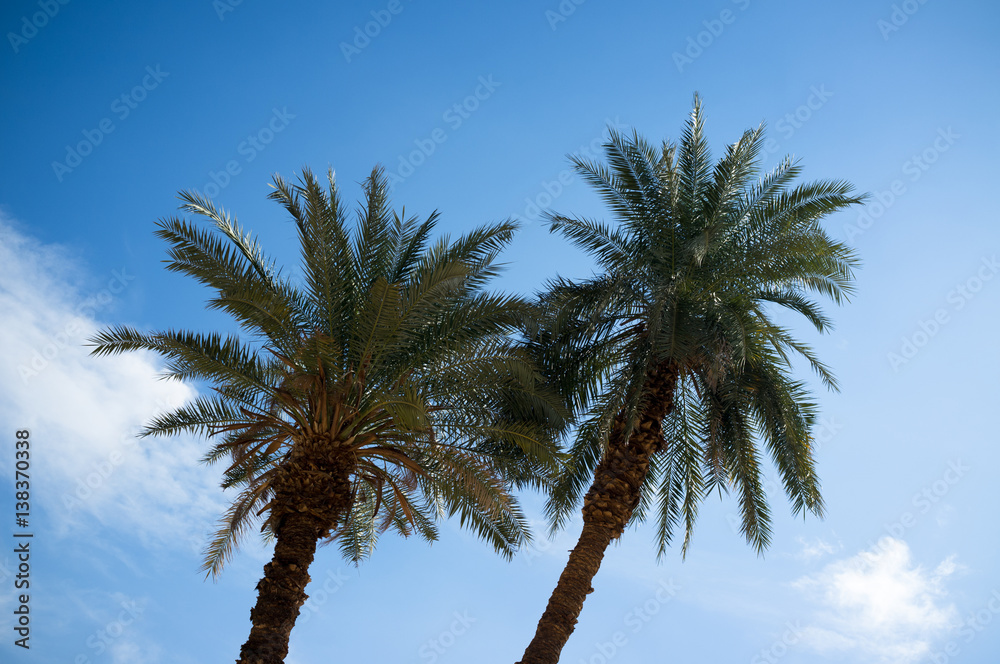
point(379, 391)
point(673, 353)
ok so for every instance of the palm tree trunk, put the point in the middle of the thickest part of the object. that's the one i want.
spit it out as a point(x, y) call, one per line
point(282, 590)
point(607, 508)
point(312, 493)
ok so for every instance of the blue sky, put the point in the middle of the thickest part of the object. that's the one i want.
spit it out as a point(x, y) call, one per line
point(111, 108)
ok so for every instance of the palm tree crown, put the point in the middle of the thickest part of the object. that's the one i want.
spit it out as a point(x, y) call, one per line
point(382, 392)
point(672, 352)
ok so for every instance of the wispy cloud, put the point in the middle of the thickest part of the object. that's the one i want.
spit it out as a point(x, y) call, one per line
point(879, 605)
point(815, 549)
point(83, 411)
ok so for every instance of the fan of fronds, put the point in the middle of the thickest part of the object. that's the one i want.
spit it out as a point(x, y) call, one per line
point(389, 350)
point(693, 264)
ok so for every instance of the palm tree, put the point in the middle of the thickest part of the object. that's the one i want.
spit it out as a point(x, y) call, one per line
point(382, 392)
point(672, 352)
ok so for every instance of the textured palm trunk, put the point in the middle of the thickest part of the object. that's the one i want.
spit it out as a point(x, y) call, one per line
point(282, 591)
point(607, 508)
point(313, 493)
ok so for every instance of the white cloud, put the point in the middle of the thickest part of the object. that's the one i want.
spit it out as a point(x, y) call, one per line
point(83, 411)
point(879, 605)
point(815, 549)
